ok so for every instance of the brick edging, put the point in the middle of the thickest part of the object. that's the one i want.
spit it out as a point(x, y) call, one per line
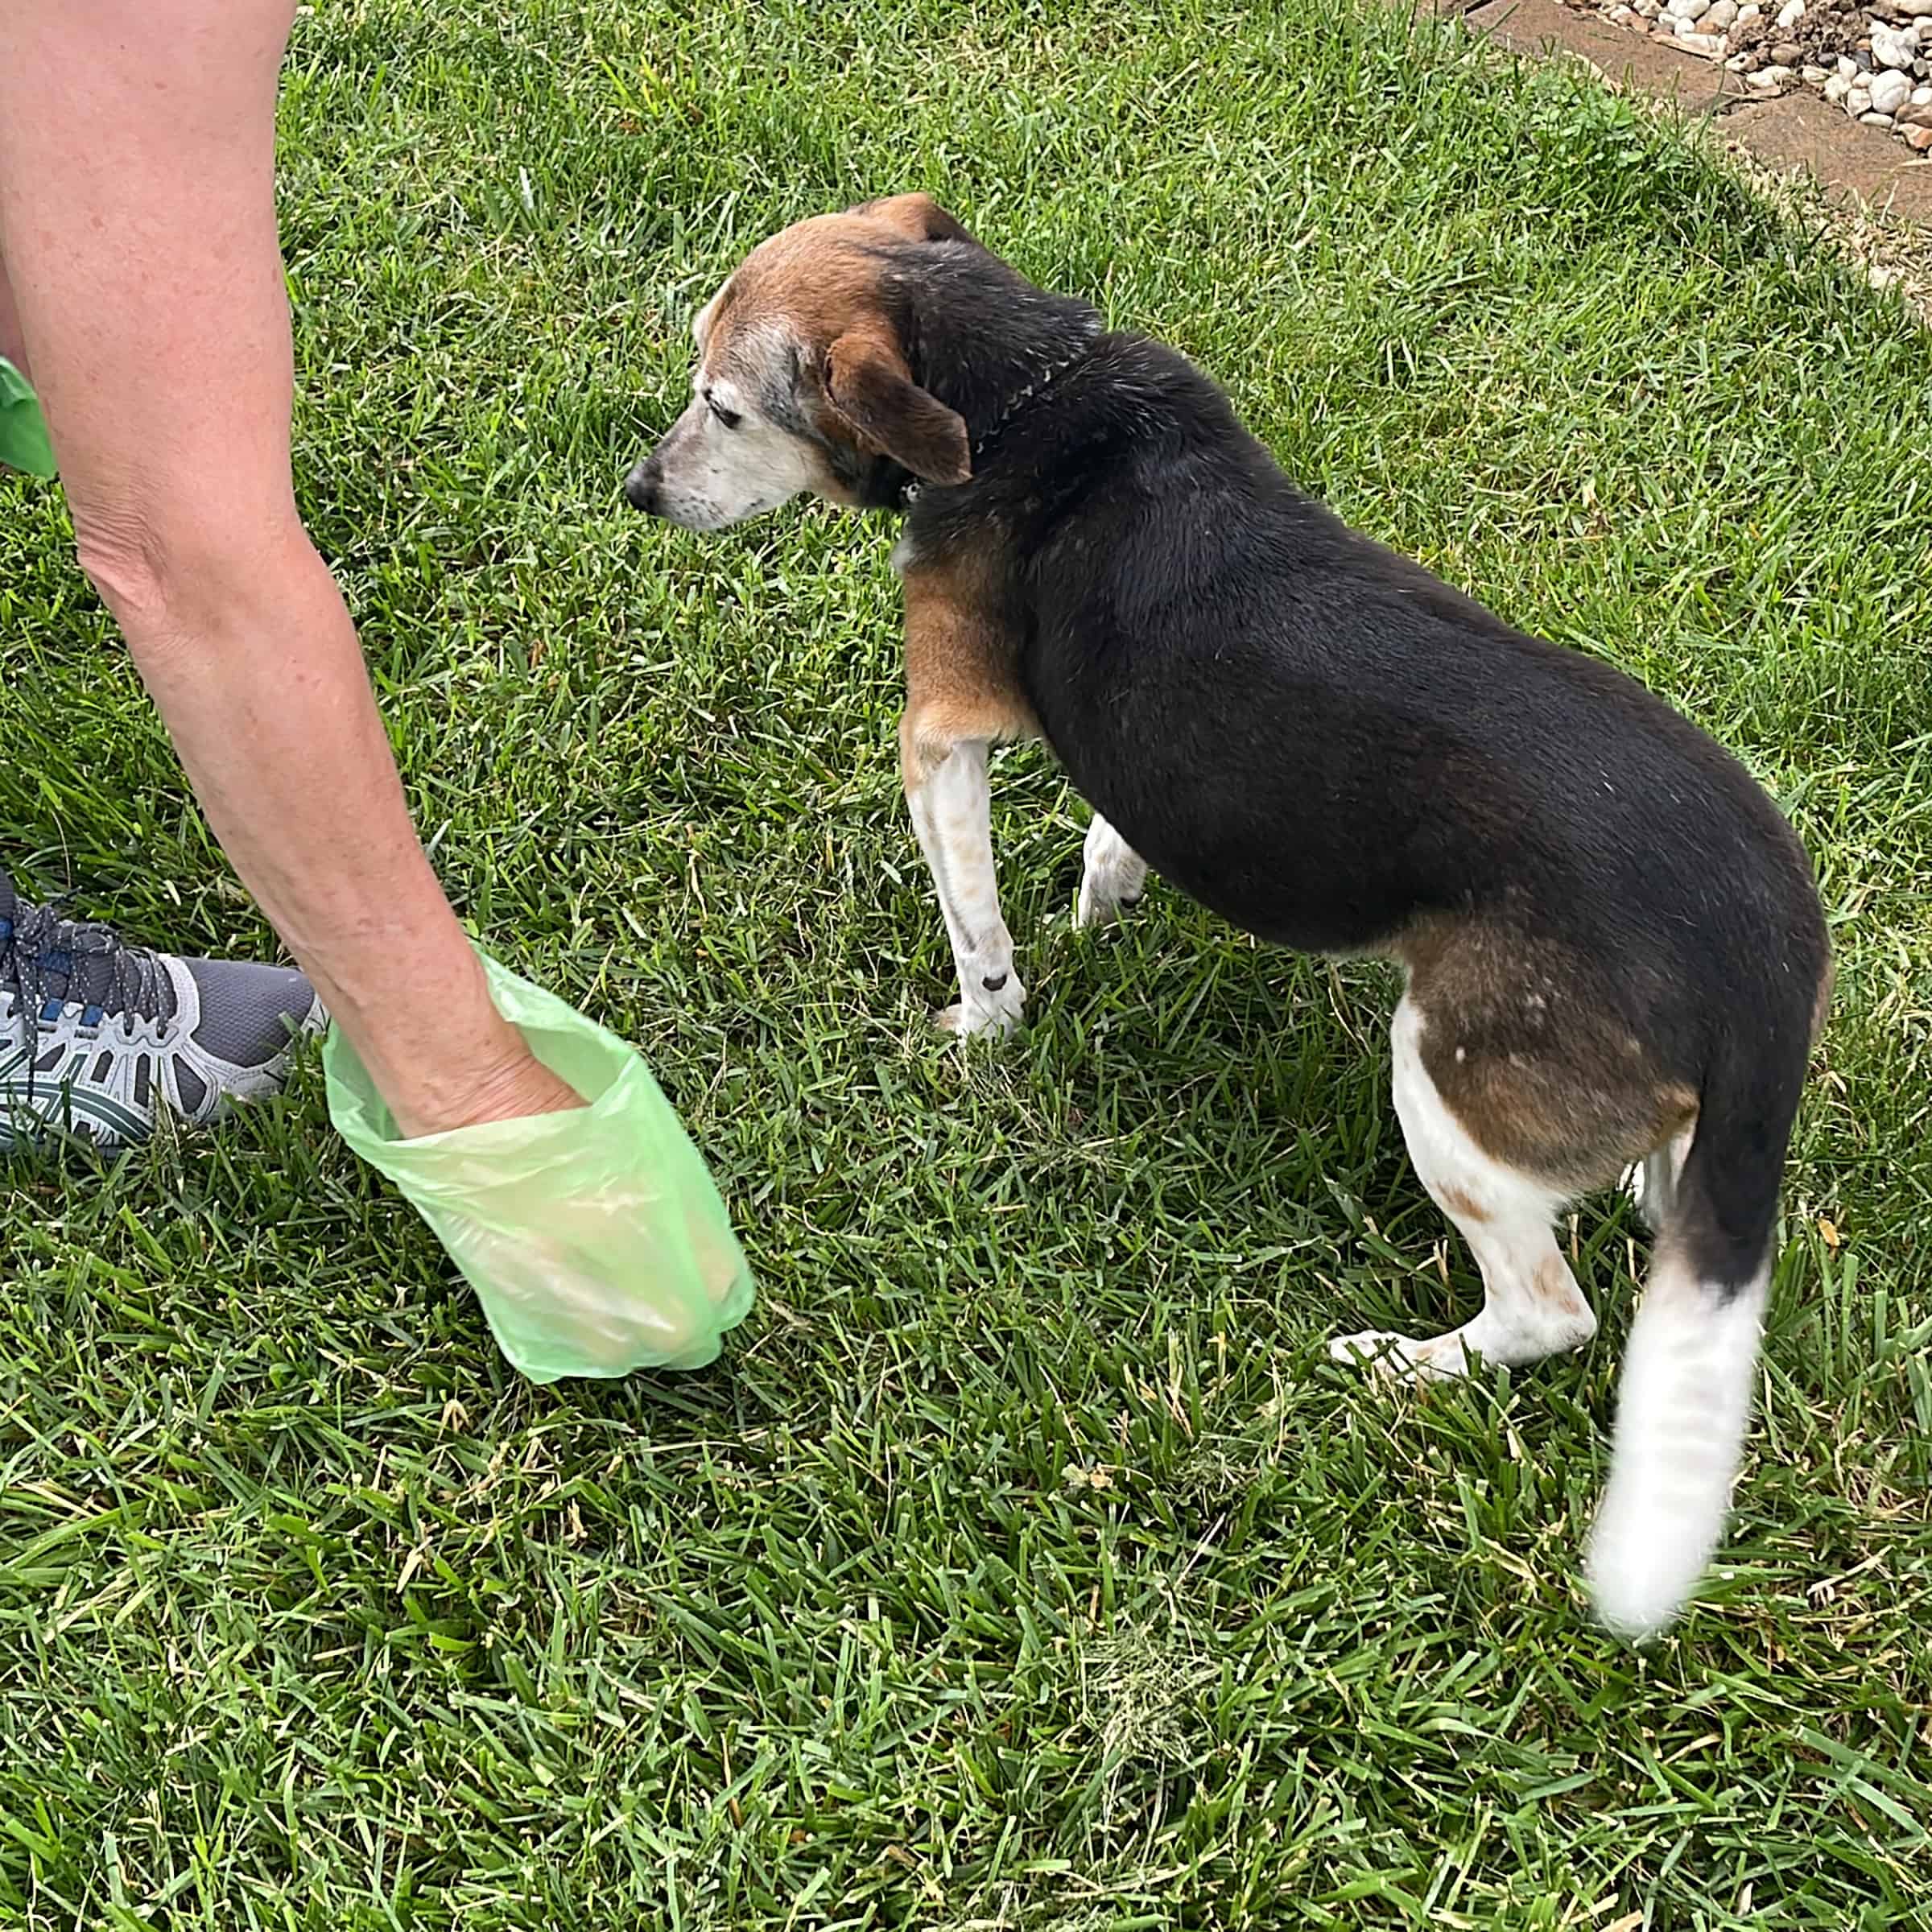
point(1797, 130)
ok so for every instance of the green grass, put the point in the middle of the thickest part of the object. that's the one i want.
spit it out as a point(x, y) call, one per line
point(1024, 1563)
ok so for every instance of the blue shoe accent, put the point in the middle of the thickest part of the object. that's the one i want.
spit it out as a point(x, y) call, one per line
point(100, 1036)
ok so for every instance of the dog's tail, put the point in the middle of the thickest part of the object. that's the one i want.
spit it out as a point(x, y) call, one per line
point(1685, 1399)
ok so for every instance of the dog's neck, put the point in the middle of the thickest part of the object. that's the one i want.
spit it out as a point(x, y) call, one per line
point(1023, 398)
point(989, 346)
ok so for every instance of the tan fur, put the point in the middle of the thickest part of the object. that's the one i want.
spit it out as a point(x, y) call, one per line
point(962, 674)
point(1454, 1201)
point(868, 385)
point(817, 284)
point(916, 216)
point(1555, 1286)
point(817, 277)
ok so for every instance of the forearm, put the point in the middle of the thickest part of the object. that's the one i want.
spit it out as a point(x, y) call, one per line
point(255, 669)
point(13, 340)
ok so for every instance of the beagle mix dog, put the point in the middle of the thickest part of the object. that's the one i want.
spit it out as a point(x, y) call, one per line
point(1614, 947)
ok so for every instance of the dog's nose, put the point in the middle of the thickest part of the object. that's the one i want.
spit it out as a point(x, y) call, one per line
point(641, 490)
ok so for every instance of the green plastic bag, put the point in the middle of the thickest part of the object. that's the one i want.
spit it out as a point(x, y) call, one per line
point(595, 1239)
point(24, 444)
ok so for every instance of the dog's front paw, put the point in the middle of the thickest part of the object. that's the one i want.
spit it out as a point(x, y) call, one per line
point(994, 1011)
point(1390, 1354)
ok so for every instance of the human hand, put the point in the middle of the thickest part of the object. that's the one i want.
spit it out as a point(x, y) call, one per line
point(591, 1231)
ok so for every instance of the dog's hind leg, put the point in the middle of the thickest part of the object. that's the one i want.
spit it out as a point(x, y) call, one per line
point(1114, 878)
point(1532, 1307)
point(1652, 1181)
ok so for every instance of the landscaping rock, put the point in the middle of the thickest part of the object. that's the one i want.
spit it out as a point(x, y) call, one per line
point(1919, 139)
point(1891, 48)
point(1871, 59)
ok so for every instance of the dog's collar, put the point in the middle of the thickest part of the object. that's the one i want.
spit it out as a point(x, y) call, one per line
point(914, 487)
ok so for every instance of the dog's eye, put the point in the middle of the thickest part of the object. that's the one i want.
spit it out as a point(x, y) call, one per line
point(729, 417)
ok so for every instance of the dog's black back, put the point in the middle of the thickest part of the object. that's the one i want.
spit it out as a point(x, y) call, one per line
point(1326, 744)
point(1314, 736)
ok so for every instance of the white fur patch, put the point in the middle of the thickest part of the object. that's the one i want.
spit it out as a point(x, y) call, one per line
point(1532, 1305)
point(1114, 875)
point(952, 813)
point(1683, 1405)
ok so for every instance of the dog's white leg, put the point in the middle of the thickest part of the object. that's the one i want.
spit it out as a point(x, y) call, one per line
point(952, 810)
point(1532, 1307)
point(1115, 875)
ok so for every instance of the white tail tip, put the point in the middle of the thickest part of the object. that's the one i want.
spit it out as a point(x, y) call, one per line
point(1682, 1409)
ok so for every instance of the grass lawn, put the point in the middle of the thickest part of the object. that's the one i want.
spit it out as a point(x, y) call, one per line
point(1024, 1563)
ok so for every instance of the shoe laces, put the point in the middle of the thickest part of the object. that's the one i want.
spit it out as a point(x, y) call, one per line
point(46, 959)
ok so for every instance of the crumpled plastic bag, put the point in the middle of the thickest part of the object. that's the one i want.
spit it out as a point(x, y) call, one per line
point(595, 1239)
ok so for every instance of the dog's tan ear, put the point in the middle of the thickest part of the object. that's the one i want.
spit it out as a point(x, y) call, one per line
point(870, 386)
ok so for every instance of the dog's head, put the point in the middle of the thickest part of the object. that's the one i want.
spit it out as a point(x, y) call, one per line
point(802, 381)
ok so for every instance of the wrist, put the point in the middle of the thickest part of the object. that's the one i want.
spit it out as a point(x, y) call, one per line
point(438, 1052)
point(512, 1085)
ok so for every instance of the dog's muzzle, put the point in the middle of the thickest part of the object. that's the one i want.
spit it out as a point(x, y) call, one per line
point(641, 490)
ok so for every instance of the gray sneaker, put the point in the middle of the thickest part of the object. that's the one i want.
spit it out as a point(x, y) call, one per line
point(98, 1036)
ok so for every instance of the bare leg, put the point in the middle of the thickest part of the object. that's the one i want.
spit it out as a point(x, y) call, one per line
point(952, 810)
point(137, 224)
point(1115, 877)
point(1532, 1305)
